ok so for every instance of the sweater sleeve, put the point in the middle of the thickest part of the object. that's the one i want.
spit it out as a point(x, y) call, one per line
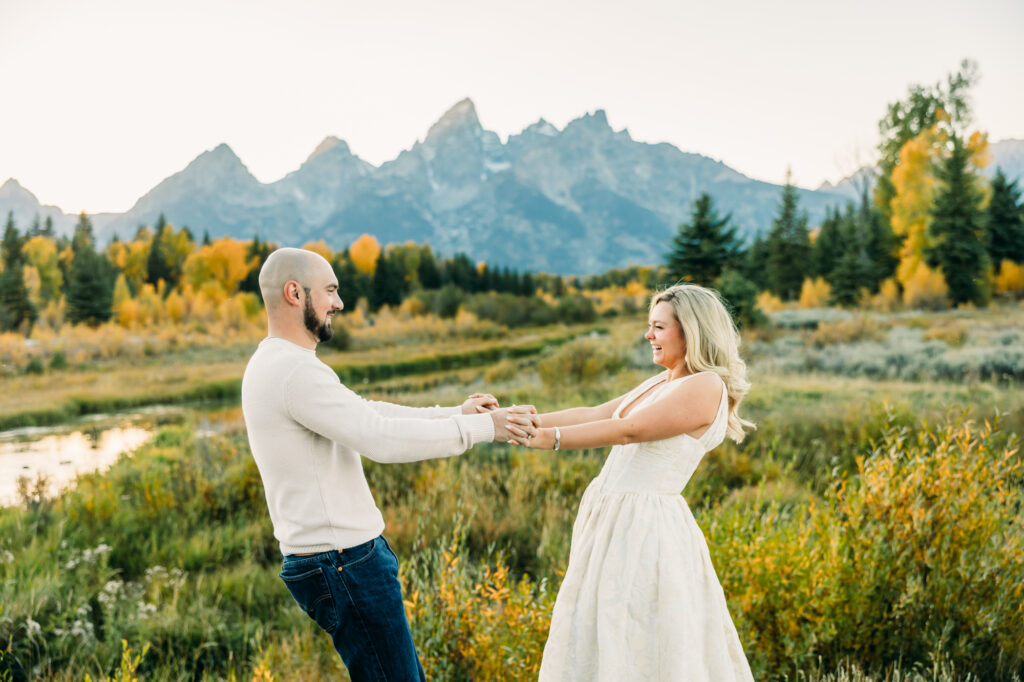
point(317, 400)
point(393, 410)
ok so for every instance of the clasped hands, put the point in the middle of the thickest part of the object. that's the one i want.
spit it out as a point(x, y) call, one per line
point(518, 424)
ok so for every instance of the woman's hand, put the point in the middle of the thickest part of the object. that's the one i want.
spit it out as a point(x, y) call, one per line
point(524, 425)
point(479, 403)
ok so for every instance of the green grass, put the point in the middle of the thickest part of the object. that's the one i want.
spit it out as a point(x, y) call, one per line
point(172, 547)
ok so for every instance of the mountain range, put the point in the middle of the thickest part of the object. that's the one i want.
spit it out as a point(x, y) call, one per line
point(572, 201)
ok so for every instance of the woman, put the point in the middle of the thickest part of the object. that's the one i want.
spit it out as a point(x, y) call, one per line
point(640, 599)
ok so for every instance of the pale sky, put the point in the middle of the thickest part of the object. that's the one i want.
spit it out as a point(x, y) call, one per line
point(100, 100)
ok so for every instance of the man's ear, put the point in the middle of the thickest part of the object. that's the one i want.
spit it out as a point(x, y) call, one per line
point(291, 292)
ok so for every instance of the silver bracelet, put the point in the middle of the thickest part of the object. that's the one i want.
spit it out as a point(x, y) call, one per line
point(558, 438)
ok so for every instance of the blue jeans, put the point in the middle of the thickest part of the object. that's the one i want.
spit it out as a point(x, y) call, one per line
point(355, 596)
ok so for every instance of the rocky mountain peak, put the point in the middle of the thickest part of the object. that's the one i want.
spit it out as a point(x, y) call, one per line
point(462, 115)
point(329, 143)
point(13, 190)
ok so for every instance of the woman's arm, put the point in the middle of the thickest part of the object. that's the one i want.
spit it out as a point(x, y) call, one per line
point(579, 415)
point(689, 407)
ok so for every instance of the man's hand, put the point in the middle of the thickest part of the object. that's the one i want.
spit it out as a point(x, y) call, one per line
point(479, 402)
point(518, 421)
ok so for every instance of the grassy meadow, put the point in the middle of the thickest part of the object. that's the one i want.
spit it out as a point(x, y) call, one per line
point(871, 528)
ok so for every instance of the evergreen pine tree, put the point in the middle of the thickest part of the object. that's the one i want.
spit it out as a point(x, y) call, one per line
point(1004, 222)
point(740, 296)
point(755, 263)
point(827, 245)
point(90, 280)
point(387, 285)
point(881, 245)
point(16, 310)
point(527, 288)
point(48, 228)
point(460, 272)
point(427, 270)
point(704, 246)
point(956, 228)
point(789, 247)
point(157, 265)
point(852, 266)
point(262, 250)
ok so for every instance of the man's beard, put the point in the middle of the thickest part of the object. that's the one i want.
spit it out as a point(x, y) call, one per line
point(321, 330)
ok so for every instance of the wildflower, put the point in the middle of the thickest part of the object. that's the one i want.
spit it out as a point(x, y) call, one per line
point(6, 557)
point(33, 628)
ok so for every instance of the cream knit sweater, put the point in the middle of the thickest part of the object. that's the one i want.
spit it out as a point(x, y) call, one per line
point(307, 432)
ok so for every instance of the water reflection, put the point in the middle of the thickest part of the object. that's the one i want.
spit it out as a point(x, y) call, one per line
point(60, 457)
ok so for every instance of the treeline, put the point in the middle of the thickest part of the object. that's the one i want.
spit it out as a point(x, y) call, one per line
point(931, 232)
point(164, 275)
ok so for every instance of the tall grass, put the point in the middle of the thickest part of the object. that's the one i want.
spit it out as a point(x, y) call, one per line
point(855, 540)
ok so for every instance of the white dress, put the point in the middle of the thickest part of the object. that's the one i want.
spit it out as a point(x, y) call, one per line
point(640, 599)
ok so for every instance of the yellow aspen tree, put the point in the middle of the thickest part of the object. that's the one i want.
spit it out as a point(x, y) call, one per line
point(321, 248)
point(41, 253)
point(175, 308)
point(364, 253)
point(815, 293)
point(914, 185)
point(130, 258)
point(33, 285)
point(1010, 280)
point(224, 262)
point(121, 291)
point(150, 304)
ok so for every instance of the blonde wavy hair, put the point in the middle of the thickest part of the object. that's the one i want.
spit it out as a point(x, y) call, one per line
point(712, 343)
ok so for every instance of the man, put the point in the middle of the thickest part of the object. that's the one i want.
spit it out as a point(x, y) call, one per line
point(307, 432)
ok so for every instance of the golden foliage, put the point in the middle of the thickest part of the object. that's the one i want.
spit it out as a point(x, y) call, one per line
point(926, 288)
point(41, 253)
point(488, 626)
point(888, 297)
point(767, 303)
point(224, 263)
point(930, 526)
point(952, 333)
point(815, 293)
point(131, 259)
point(860, 328)
point(321, 248)
point(1010, 280)
point(33, 284)
point(914, 182)
point(364, 253)
point(175, 308)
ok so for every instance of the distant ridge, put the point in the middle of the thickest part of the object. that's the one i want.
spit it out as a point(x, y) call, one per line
point(573, 201)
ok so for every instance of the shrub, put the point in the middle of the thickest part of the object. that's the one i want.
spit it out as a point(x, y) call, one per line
point(815, 293)
point(1010, 280)
point(861, 328)
point(740, 297)
point(918, 557)
point(34, 366)
point(580, 363)
point(953, 334)
point(926, 289)
point(888, 297)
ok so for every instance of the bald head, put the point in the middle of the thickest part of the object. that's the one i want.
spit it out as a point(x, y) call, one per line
point(288, 264)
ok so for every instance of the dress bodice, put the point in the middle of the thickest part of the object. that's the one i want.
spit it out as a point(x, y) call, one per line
point(661, 466)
